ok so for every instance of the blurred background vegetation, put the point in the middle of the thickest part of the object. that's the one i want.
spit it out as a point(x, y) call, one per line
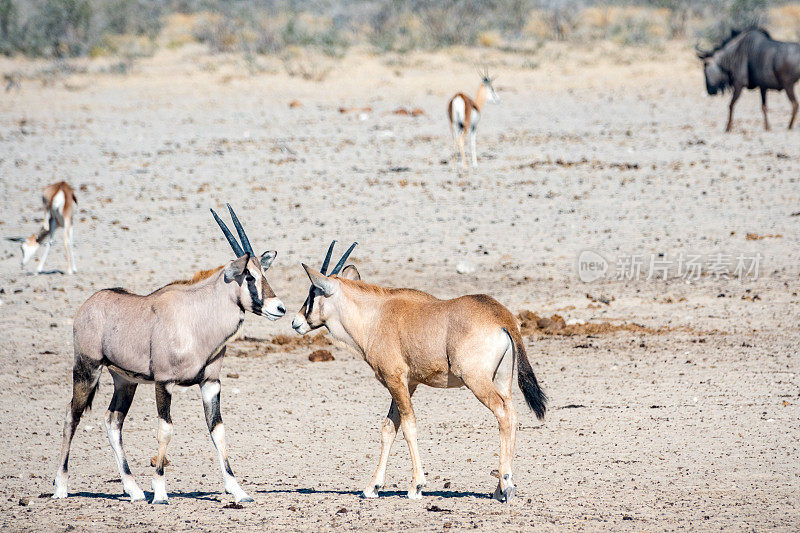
point(134, 28)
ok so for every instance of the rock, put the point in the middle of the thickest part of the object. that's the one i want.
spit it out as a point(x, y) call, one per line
point(465, 267)
point(318, 356)
point(233, 375)
point(295, 104)
point(24, 502)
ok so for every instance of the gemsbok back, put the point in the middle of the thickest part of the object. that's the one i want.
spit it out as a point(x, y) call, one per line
point(175, 336)
point(409, 338)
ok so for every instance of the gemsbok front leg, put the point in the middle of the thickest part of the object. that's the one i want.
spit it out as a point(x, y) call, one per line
point(124, 391)
point(388, 433)
point(163, 401)
point(85, 376)
point(211, 396)
point(402, 397)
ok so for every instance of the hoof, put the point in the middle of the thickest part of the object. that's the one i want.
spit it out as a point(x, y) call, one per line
point(504, 496)
point(415, 492)
point(59, 493)
point(137, 496)
point(371, 492)
point(244, 499)
point(165, 501)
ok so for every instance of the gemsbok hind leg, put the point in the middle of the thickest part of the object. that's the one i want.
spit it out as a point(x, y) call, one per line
point(495, 393)
point(388, 433)
point(211, 395)
point(401, 395)
point(85, 377)
point(163, 401)
point(124, 391)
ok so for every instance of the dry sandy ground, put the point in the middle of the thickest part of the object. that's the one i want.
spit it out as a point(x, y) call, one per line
point(615, 151)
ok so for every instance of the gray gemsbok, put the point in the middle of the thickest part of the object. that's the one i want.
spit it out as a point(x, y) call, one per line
point(409, 337)
point(175, 336)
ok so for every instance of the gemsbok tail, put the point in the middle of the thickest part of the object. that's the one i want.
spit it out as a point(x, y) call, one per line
point(534, 395)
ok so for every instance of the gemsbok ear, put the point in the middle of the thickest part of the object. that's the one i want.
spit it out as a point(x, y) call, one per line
point(350, 272)
point(236, 268)
point(267, 258)
point(320, 281)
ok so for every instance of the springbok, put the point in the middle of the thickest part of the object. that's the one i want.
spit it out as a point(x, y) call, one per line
point(175, 336)
point(409, 338)
point(59, 203)
point(465, 113)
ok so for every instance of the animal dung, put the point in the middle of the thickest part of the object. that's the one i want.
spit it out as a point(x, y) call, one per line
point(404, 112)
point(320, 356)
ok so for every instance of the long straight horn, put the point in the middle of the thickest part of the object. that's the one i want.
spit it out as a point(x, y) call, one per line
point(327, 260)
point(228, 235)
point(240, 231)
point(340, 264)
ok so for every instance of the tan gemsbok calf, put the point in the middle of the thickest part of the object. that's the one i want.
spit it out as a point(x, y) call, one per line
point(409, 338)
point(175, 336)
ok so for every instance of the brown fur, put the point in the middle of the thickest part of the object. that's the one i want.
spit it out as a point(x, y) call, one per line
point(198, 276)
point(409, 337)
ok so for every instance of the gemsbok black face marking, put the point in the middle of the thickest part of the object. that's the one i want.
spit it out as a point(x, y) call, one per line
point(154, 339)
point(303, 323)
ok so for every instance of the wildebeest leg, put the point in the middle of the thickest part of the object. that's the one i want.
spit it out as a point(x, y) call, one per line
point(500, 404)
point(210, 391)
point(764, 107)
point(388, 434)
point(737, 91)
point(401, 395)
point(124, 391)
point(163, 401)
point(793, 99)
point(85, 377)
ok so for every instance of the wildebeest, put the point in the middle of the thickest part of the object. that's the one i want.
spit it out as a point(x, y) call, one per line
point(175, 336)
point(752, 59)
point(409, 338)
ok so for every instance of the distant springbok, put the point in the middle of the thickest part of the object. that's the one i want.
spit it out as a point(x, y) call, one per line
point(59, 204)
point(409, 337)
point(175, 336)
point(465, 113)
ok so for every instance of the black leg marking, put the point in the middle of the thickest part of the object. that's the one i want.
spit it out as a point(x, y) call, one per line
point(163, 401)
point(125, 467)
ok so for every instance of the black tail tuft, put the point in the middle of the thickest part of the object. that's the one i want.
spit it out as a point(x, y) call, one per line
point(528, 384)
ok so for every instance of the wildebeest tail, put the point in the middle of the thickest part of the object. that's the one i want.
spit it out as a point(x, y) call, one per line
point(528, 384)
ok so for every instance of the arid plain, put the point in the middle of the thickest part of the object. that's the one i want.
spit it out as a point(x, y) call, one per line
point(681, 412)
